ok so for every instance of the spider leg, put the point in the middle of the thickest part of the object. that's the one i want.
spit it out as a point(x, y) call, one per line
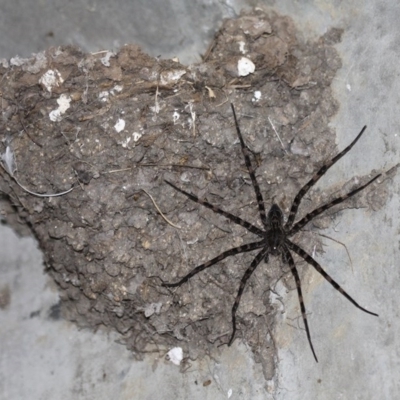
point(315, 178)
point(226, 214)
point(245, 151)
point(305, 220)
point(306, 257)
point(292, 265)
point(243, 282)
point(236, 250)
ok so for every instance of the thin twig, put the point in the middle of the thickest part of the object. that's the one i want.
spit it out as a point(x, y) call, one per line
point(173, 165)
point(12, 174)
point(193, 115)
point(28, 134)
point(273, 127)
point(158, 209)
point(158, 165)
point(117, 170)
point(45, 194)
point(156, 105)
point(338, 242)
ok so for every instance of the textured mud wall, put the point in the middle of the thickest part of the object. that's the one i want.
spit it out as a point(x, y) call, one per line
point(112, 127)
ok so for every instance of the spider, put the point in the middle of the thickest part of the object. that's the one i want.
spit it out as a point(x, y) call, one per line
point(275, 235)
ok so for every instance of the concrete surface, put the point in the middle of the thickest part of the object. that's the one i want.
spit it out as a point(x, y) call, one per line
point(358, 353)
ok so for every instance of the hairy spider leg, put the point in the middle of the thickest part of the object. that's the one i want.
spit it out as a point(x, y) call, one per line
point(245, 151)
point(315, 178)
point(246, 276)
point(226, 214)
point(286, 246)
point(306, 257)
point(236, 250)
point(305, 220)
point(293, 269)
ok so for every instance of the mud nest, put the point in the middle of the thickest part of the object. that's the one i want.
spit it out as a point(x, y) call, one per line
point(113, 126)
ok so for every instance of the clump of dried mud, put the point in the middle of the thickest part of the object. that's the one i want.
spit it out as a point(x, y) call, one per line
point(114, 126)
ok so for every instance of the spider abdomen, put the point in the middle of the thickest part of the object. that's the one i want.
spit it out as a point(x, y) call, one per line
point(275, 239)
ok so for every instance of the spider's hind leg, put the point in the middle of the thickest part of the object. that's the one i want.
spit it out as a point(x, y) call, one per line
point(306, 257)
point(243, 282)
point(286, 254)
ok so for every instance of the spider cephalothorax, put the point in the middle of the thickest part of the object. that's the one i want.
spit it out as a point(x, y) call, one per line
point(275, 232)
point(275, 237)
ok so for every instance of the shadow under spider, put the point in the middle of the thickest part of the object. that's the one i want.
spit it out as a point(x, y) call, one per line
point(274, 238)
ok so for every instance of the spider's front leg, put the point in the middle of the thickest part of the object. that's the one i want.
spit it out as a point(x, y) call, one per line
point(317, 176)
point(236, 250)
point(250, 168)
